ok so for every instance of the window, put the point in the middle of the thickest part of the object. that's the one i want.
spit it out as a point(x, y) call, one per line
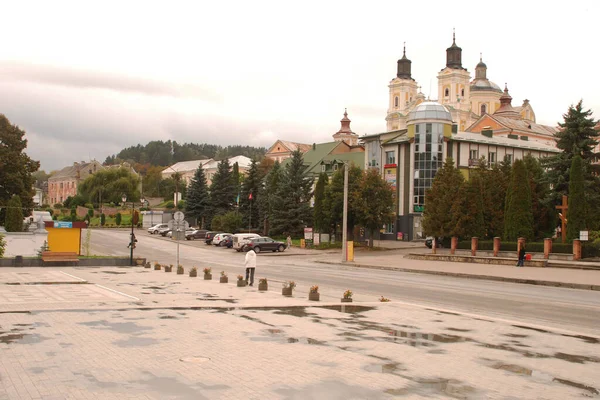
point(446, 92)
point(396, 101)
point(462, 92)
point(390, 157)
point(335, 167)
point(322, 167)
point(492, 158)
point(509, 158)
point(428, 158)
point(473, 155)
point(389, 228)
point(483, 109)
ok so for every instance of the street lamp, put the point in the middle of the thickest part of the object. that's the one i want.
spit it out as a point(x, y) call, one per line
point(132, 239)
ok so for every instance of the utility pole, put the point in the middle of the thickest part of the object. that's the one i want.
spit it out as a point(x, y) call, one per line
point(345, 217)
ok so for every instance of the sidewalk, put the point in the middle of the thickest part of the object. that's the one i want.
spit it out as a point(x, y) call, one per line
point(566, 274)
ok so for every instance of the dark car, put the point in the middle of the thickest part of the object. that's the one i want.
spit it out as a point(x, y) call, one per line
point(164, 232)
point(227, 242)
point(264, 244)
point(209, 236)
point(429, 242)
point(196, 234)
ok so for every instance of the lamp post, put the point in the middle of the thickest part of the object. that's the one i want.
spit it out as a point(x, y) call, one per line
point(132, 239)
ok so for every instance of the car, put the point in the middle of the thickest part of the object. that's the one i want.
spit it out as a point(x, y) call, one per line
point(164, 231)
point(240, 239)
point(170, 233)
point(264, 244)
point(219, 237)
point(429, 242)
point(208, 238)
point(227, 242)
point(195, 234)
point(154, 230)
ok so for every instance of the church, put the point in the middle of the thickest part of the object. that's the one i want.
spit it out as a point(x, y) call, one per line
point(465, 99)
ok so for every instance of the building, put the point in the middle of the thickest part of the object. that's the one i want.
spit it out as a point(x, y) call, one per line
point(187, 169)
point(64, 183)
point(282, 150)
point(466, 100)
point(410, 158)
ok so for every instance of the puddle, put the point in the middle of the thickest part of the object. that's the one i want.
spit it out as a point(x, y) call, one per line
point(22, 338)
point(167, 317)
point(168, 387)
point(586, 339)
point(7, 339)
point(215, 299)
point(328, 389)
point(255, 320)
point(388, 368)
point(531, 328)
point(516, 335)
point(458, 330)
point(194, 359)
point(121, 327)
point(113, 272)
point(136, 341)
point(576, 358)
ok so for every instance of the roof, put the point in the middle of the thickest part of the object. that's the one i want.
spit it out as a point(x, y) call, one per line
point(525, 125)
point(376, 135)
point(484, 84)
point(243, 162)
point(70, 171)
point(357, 158)
point(504, 141)
point(185, 166)
point(293, 146)
point(402, 137)
point(314, 156)
point(430, 110)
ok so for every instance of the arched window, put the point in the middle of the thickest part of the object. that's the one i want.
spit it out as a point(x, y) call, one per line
point(462, 92)
point(396, 101)
point(483, 109)
point(446, 92)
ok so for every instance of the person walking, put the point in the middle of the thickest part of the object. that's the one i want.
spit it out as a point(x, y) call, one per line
point(289, 242)
point(521, 261)
point(250, 264)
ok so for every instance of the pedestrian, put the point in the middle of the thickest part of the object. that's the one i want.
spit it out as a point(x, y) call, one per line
point(521, 261)
point(289, 242)
point(250, 264)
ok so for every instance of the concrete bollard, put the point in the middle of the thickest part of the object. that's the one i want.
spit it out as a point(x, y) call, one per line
point(474, 244)
point(547, 247)
point(576, 249)
point(453, 244)
point(496, 246)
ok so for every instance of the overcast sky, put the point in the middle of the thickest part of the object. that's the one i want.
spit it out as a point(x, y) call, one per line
point(86, 79)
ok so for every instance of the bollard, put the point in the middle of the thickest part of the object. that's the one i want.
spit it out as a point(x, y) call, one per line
point(576, 249)
point(453, 244)
point(474, 244)
point(547, 247)
point(496, 246)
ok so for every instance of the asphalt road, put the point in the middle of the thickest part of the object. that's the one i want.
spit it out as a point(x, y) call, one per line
point(559, 309)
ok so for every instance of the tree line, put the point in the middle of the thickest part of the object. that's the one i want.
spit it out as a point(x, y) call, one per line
point(519, 200)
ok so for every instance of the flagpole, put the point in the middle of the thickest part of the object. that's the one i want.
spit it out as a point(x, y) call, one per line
point(250, 216)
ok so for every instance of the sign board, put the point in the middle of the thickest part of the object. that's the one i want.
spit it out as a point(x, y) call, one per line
point(418, 208)
point(63, 224)
point(178, 216)
point(308, 233)
point(317, 240)
point(181, 225)
point(583, 235)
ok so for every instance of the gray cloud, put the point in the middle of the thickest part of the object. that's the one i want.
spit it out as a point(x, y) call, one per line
point(88, 79)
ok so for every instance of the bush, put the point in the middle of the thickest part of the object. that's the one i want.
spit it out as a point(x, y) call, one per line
point(2, 246)
point(102, 219)
point(58, 205)
point(590, 249)
point(90, 212)
point(181, 205)
point(170, 205)
point(118, 219)
point(89, 205)
point(14, 215)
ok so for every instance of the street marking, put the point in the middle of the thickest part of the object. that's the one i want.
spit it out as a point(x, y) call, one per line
point(117, 292)
point(73, 276)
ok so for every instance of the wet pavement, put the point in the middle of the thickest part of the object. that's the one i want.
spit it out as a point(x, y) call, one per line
point(144, 334)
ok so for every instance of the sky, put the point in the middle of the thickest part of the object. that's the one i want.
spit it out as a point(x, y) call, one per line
point(87, 79)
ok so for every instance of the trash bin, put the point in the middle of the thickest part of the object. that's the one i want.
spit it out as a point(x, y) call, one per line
point(18, 261)
point(528, 257)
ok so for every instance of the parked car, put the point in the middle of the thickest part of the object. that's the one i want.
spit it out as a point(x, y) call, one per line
point(429, 242)
point(240, 239)
point(164, 231)
point(154, 230)
point(196, 234)
point(219, 237)
point(264, 244)
point(170, 233)
point(208, 238)
point(227, 242)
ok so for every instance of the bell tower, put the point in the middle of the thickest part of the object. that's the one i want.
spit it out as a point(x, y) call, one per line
point(402, 94)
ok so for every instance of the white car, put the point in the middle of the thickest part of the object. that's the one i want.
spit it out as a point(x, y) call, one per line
point(187, 232)
point(240, 239)
point(219, 238)
point(153, 230)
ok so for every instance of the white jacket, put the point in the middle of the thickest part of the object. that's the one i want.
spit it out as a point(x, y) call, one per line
point(250, 261)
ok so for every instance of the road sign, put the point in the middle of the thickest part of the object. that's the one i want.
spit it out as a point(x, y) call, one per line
point(63, 224)
point(181, 225)
point(178, 216)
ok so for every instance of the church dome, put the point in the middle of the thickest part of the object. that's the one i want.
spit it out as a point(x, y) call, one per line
point(430, 110)
point(484, 84)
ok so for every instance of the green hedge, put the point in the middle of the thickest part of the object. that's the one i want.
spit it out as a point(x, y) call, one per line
point(533, 247)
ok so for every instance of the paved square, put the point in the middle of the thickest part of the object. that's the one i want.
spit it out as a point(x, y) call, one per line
point(187, 338)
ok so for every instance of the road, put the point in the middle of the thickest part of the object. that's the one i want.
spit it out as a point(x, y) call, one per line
point(559, 309)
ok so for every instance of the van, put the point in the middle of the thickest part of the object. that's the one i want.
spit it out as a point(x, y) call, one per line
point(240, 239)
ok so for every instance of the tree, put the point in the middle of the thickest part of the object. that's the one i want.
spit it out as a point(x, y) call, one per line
point(577, 136)
point(108, 186)
point(375, 202)
point(249, 207)
point(198, 199)
point(16, 168)
point(2, 246)
point(222, 193)
point(269, 196)
point(334, 198)
point(231, 222)
point(438, 217)
point(468, 211)
point(518, 216)
point(118, 219)
point(577, 211)
point(544, 213)
point(320, 213)
point(291, 212)
point(236, 178)
point(14, 215)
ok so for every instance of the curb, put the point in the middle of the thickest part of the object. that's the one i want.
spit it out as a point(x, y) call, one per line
point(473, 276)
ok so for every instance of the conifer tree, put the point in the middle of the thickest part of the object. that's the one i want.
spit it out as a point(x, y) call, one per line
point(222, 194)
point(321, 214)
point(518, 216)
point(469, 217)
point(198, 200)
point(576, 213)
point(374, 202)
point(544, 214)
point(445, 191)
point(268, 195)
point(250, 196)
point(291, 211)
point(14, 215)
